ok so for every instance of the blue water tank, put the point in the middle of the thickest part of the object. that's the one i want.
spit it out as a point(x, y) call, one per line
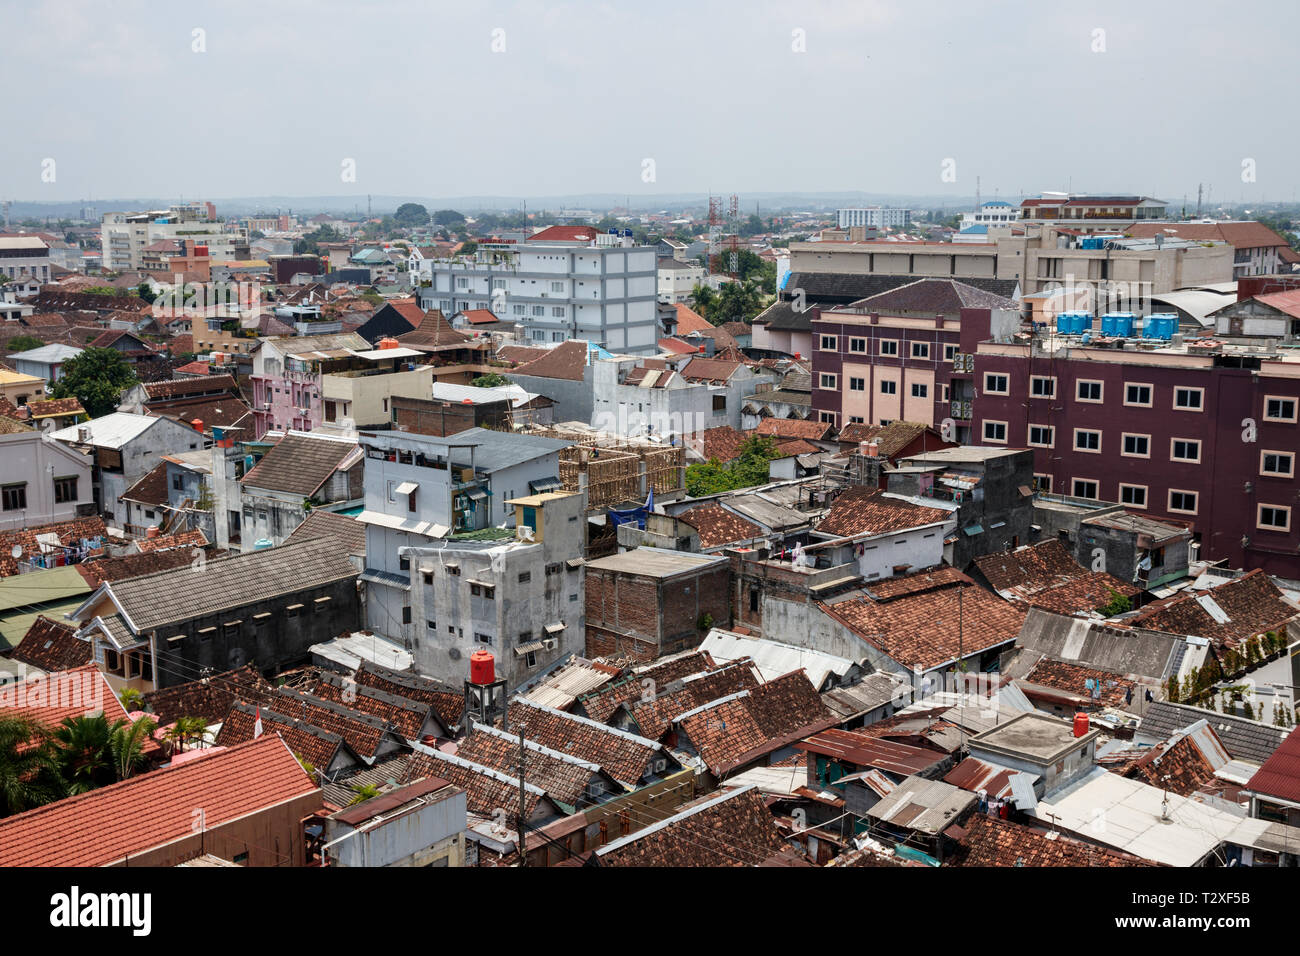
point(1073, 323)
point(1118, 324)
point(1160, 326)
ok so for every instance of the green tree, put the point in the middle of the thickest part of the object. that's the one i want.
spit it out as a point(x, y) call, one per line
point(96, 378)
point(448, 217)
point(83, 751)
point(126, 744)
point(490, 380)
point(145, 292)
point(750, 467)
point(186, 729)
point(309, 244)
point(703, 299)
point(1118, 604)
point(411, 215)
point(22, 343)
point(131, 698)
point(363, 792)
point(28, 773)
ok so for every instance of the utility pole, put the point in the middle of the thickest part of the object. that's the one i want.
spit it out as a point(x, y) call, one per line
point(523, 851)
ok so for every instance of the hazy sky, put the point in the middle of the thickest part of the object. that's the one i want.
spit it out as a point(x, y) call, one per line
point(756, 96)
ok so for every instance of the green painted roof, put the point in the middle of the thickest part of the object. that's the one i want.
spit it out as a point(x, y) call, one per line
point(40, 587)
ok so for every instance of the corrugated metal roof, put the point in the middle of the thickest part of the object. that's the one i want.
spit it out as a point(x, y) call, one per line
point(772, 658)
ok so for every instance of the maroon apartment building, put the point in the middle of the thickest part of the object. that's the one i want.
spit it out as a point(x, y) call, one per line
point(904, 354)
point(1207, 437)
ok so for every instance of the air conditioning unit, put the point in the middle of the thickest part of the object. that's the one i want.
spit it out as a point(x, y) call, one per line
point(549, 643)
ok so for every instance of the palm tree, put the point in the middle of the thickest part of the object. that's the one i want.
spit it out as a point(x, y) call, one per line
point(703, 300)
point(127, 745)
point(364, 792)
point(83, 752)
point(186, 729)
point(131, 699)
point(28, 777)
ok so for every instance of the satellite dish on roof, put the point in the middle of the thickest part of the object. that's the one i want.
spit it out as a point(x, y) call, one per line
point(17, 551)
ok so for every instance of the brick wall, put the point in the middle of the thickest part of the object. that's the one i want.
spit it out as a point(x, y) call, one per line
point(665, 614)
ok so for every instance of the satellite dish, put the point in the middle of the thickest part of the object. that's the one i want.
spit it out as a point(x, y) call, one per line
point(17, 551)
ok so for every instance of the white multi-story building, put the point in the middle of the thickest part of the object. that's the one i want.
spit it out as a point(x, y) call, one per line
point(124, 235)
point(995, 212)
point(566, 282)
point(678, 279)
point(878, 217)
point(24, 260)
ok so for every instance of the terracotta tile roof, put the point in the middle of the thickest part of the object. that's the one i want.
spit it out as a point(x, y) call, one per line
point(600, 705)
point(993, 842)
point(300, 464)
point(318, 747)
point(566, 361)
point(153, 809)
point(677, 346)
point(931, 628)
point(1029, 569)
point(56, 406)
point(1179, 767)
point(717, 525)
point(627, 758)
point(564, 234)
point(210, 698)
point(68, 532)
point(432, 331)
point(1070, 677)
point(132, 565)
point(195, 368)
point(406, 715)
point(711, 370)
point(1089, 592)
point(794, 428)
point(862, 510)
point(225, 412)
point(1252, 604)
point(151, 489)
point(486, 790)
point(1280, 774)
point(654, 717)
point(928, 580)
point(722, 443)
point(519, 354)
point(53, 698)
point(728, 830)
point(736, 730)
point(13, 426)
point(1239, 235)
point(187, 540)
point(364, 733)
point(347, 532)
point(447, 702)
point(795, 446)
point(480, 316)
point(52, 646)
point(564, 780)
point(891, 438)
point(184, 387)
point(688, 320)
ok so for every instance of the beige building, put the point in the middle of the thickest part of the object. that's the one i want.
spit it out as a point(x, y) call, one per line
point(125, 235)
point(19, 388)
point(364, 398)
point(1044, 259)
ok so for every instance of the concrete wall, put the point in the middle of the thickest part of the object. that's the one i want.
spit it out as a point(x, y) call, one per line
point(26, 459)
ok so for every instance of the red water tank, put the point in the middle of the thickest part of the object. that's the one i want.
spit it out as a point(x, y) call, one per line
point(1080, 724)
point(388, 342)
point(153, 531)
point(198, 424)
point(481, 668)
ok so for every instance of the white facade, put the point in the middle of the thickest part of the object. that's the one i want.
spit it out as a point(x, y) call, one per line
point(879, 217)
point(24, 259)
point(43, 481)
point(604, 294)
point(124, 235)
point(678, 279)
point(992, 213)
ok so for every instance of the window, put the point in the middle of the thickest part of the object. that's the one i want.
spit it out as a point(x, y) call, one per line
point(431, 625)
point(1279, 464)
point(828, 380)
point(177, 483)
point(1084, 488)
point(475, 590)
point(995, 432)
point(15, 497)
point(1087, 390)
point(404, 563)
point(920, 350)
point(1042, 386)
point(1182, 501)
point(1189, 399)
point(1136, 446)
point(1274, 518)
point(949, 352)
point(428, 577)
point(557, 286)
point(1136, 394)
point(830, 343)
point(406, 615)
point(1133, 495)
point(539, 310)
point(857, 345)
point(1278, 409)
point(827, 418)
point(889, 346)
point(1043, 483)
point(857, 384)
point(65, 490)
point(920, 391)
point(557, 311)
point(1185, 449)
point(483, 638)
point(1086, 439)
point(525, 577)
point(996, 383)
point(553, 569)
point(856, 420)
point(888, 387)
point(1042, 436)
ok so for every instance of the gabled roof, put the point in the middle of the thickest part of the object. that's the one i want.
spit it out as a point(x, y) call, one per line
point(600, 705)
point(1184, 763)
point(1244, 739)
point(1280, 774)
point(654, 716)
point(933, 297)
point(487, 789)
point(1239, 235)
point(447, 702)
point(717, 526)
point(993, 842)
point(51, 646)
point(891, 439)
point(930, 628)
point(210, 698)
point(717, 370)
point(300, 463)
point(565, 779)
point(732, 829)
point(1072, 678)
point(1229, 614)
point(627, 757)
point(432, 331)
point(171, 597)
point(185, 387)
point(151, 488)
point(53, 698)
point(153, 809)
point(1105, 645)
point(577, 234)
point(115, 430)
point(132, 565)
point(565, 361)
point(860, 510)
point(347, 532)
point(793, 428)
point(688, 320)
point(406, 715)
point(722, 443)
point(320, 748)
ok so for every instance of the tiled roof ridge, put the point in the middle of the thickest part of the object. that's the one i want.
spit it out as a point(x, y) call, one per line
point(604, 728)
point(539, 748)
